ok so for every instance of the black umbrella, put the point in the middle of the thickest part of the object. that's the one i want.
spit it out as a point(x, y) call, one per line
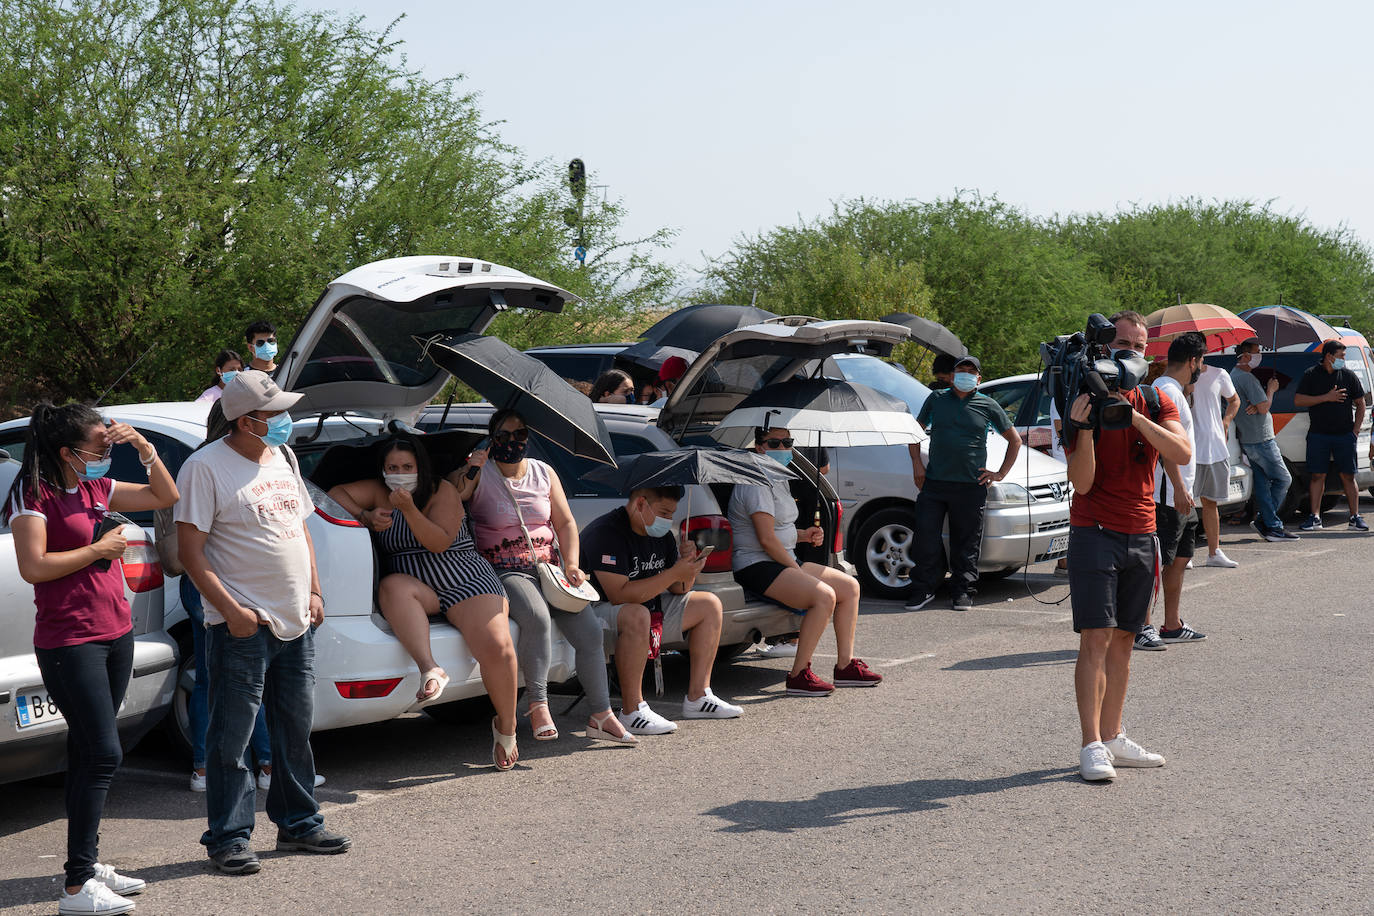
point(649, 355)
point(691, 464)
point(696, 327)
point(506, 377)
point(932, 335)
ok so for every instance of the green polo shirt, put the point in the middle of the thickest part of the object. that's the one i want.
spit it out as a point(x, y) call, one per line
point(958, 430)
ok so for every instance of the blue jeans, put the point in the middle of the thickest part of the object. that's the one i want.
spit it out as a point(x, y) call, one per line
point(1271, 480)
point(198, 709)
point(245, 675)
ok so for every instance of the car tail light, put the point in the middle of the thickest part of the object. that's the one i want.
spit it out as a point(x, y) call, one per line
point(839, 527)
point(711, 531)
point(366, 690)
point(142, 571)
point(346, 521)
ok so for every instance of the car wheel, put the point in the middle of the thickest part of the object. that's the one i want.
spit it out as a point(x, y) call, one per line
point(882, 553)
point(177, 725)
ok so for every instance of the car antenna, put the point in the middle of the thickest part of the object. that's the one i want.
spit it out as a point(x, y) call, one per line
point(150, 349)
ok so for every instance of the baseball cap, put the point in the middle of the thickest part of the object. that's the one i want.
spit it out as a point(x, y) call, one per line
point(673, 368)
point(969, 360)
point(253, 389)
point(943, 363)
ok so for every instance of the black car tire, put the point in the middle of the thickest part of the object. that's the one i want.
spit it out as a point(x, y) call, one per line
point(881, 553)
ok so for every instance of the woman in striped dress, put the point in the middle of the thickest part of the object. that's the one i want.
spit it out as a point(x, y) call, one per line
point(431, 566)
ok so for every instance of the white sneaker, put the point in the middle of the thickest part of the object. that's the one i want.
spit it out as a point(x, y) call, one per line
point(120, 884)
point(93, 897)
point(197, 781)
point(1095, 763)
point(1126, 753)
point(710, 706)
point(644, 721)
point(265, 781)
point(1222, 560)
point(778, 650)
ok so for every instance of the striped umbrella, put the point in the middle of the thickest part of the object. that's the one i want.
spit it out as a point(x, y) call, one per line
point(1221, 328)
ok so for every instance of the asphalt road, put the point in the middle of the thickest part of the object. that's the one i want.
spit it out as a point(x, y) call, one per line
point(953, 787)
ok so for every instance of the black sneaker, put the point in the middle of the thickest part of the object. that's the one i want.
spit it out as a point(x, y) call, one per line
point(1284, 534)
point(1313, 523)
point(1184, 633)
point(1269, 534)
point(237, 859)
point(321, 841)
point(1357, 523)
point(1148, 640)
point(919, 600)
point(962, 602)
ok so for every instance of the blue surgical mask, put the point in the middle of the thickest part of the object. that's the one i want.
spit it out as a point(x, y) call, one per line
point(658, 527)
point(94, 470)
point(265, 350)
point(1338, 363)
point(278, 429)
point(965, 381)
point(782, 456)
point(228, 375)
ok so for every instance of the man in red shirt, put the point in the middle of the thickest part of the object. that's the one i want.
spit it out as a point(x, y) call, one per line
point(1113, 557)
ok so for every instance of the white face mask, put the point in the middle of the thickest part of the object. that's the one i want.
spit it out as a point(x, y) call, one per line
point(1255, 358)
point(406, 482)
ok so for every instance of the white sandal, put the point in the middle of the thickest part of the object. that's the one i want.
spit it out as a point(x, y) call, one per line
point(437, 675)
point(544, 732)
point(505, 743)
point(596, 731)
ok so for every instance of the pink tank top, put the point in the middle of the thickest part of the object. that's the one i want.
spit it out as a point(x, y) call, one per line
point(495, 525)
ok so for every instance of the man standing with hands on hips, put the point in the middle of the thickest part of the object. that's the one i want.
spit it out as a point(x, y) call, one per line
point(1334, 399)
point(955, 485)
point(1112, 552)
point(241, 528)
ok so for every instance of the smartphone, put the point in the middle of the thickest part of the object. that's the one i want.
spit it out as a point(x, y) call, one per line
point(705, 551)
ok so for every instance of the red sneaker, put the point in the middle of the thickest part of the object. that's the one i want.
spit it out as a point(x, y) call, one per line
point(856, 674)
point(807, 684)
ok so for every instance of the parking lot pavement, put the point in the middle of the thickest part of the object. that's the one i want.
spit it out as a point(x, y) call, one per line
point(951, 788)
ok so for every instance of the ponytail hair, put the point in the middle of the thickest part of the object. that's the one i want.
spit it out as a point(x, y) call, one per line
point(50, 429)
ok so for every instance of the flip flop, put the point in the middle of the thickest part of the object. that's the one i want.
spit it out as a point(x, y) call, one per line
point(544, 732)
point(504, 743)
point(433, 674)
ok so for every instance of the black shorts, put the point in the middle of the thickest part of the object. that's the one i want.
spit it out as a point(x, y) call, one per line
point(758, 577)
point(1177, 535)
point(1111, 578)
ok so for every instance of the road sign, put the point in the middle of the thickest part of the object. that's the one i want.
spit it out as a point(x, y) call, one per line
point(580, 253)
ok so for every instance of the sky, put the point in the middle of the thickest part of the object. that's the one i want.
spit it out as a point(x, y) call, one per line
point(723, 119)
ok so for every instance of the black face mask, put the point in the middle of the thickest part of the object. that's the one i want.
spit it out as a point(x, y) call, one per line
point(510, 453)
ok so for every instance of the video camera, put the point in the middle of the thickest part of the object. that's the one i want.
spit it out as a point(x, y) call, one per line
point(1083, 363)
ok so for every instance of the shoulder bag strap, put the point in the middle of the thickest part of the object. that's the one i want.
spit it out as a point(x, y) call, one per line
point(505, 484)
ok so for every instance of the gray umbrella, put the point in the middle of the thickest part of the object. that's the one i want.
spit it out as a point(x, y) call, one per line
point(932, 335)
point(551, 407)
point(691, 464)
point(696, 327)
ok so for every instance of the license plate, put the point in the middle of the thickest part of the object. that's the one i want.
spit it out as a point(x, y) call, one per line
point(1059, 546)
point(1236, 489)
point(35, 707)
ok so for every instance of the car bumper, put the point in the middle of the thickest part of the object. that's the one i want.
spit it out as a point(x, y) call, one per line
point(1018, 535)
point(354, 649)
point(42, 748)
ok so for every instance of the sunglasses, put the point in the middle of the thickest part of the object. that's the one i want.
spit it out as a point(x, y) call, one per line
point(101, 455)
point(503, 436)
point(779, 443)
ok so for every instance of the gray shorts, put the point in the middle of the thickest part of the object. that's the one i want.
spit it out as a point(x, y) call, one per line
point(672, 606)
point(1112, 578)
point(1214, 481)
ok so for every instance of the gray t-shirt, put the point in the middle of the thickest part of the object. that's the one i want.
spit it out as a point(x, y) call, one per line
point(777, 501)
point(254, 519)
point(1252, 428)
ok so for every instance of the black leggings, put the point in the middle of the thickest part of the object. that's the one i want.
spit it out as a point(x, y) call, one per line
point(87, 682)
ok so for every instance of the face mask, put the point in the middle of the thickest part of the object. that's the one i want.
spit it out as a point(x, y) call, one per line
point(1254, 361)
point(278, 429)
point(93, 470)
point(407, 482)
point(965, 381)
point(1338, 363)
point(658, 527)
point(782, 456)
point(510, 453)
point(265, 350)
point(228, 375)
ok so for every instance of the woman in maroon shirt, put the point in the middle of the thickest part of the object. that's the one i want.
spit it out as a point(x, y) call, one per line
point(83, 632)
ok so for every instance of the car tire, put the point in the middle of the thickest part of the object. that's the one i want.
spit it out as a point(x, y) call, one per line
point(881, 552)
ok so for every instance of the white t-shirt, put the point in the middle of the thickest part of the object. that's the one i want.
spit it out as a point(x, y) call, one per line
point(254, 518)
point(1164, 488)
point(777, 501)
point(1213, 387)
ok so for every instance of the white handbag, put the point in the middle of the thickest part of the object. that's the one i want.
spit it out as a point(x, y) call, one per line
point(561, 594)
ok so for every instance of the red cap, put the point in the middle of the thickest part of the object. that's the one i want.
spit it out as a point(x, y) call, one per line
point(673, 368)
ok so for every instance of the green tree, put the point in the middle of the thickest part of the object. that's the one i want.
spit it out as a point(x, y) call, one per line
point(172, 169)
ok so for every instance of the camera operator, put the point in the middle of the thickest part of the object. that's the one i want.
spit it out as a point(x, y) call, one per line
point(1112, 553)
